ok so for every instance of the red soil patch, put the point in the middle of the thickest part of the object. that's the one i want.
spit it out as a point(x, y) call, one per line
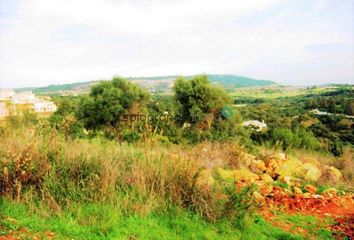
point(340, 208)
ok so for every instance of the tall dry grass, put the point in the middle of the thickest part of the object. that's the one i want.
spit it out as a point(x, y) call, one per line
point(37, 162)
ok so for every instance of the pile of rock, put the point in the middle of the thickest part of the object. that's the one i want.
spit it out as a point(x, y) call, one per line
point(284, 175)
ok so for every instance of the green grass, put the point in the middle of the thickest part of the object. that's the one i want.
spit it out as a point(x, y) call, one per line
point(95, 221)
point(312, 224)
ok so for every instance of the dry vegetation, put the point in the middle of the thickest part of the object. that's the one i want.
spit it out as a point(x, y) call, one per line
point(213, 180)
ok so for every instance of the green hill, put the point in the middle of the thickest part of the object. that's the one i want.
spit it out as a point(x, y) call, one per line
point(239, 81)
point(155, 83)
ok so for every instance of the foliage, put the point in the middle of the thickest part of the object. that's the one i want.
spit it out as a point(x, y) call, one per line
point(199, 101)
point(109, 100)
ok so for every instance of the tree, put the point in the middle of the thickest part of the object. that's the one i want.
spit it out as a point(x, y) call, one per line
point(109, 100)
point(349, 107)
point(285, 137)
point(199, 101)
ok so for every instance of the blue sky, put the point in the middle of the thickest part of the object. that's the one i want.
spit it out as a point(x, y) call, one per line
point(296, 42)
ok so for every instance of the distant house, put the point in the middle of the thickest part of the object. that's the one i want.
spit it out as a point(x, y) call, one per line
point(321, 113)
point(257, 125)
point(240, 105)
point(318, 112)
point(6, 94)
point(23, 98)
point(4, 112)
point(44, 106)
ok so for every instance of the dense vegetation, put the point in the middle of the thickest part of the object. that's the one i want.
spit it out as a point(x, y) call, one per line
point(119, 163)
point(291, 123)
point(201, 111)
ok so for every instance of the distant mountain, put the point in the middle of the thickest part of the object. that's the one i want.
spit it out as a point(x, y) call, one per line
point(238, 81)
point(153, 84)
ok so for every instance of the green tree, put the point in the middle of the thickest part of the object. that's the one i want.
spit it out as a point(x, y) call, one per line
point(285, 137)
point(306, 139)
point(199, 102)
point(109, 100)
point(349, 107)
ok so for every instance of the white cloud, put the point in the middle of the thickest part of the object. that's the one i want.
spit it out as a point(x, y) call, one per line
point(45, 42)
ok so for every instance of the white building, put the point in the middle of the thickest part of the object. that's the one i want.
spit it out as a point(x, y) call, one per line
point(23, 98)
point(6, 94)
point(257, 125)
point(318, 112)
point(44, 106)
point(4, 112)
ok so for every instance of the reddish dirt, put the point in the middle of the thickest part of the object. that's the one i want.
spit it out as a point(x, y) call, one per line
point(339, 208)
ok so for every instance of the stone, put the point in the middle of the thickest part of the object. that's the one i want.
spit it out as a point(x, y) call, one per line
point(329, 192)
point(310, 188)
point(312, 173)
point(296, 182)
point(257, 166)
point(290, 167)
point(245, 175)
point(280, 156)
point(258, 198)
point(266, 190)
point(267, 178)
point(225, 174)
point(288, 191)
point(297, 190)
point(307, 195)
point(246, 160)
point(331, 175)
point(286, 179)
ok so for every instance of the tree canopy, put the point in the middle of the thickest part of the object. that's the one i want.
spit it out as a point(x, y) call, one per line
point(198, 100)
point(110, 99)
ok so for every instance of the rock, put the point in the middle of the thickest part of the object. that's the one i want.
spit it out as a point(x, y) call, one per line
point(286, 179)
point(310, 188)
point(296, 182)
point(258, 198)
point(295, 168)
point(312, 173)
point(225, 174)
point(245, 175)
point(257, 166)
point(307, 195)
point(267, 178)
point(329, 192)
point(331, 175)
point(290, 167)
point(271, 167)
point(266, 190)
point(297, 190)
point(280, 156)
point(237, 175)
point(246, 160)
point(288, 191)
point(317, 196)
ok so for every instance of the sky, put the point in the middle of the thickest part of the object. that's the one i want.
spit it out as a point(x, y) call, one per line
point(293, 42)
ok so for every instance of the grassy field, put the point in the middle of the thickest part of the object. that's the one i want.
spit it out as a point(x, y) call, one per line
point(272, 92)
point(100, 221)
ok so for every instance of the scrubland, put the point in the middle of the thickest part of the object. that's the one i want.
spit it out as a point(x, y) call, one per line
point(54, 187)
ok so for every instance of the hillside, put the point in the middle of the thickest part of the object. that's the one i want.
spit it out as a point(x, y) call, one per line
point(156, 84)
point(239, 81)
